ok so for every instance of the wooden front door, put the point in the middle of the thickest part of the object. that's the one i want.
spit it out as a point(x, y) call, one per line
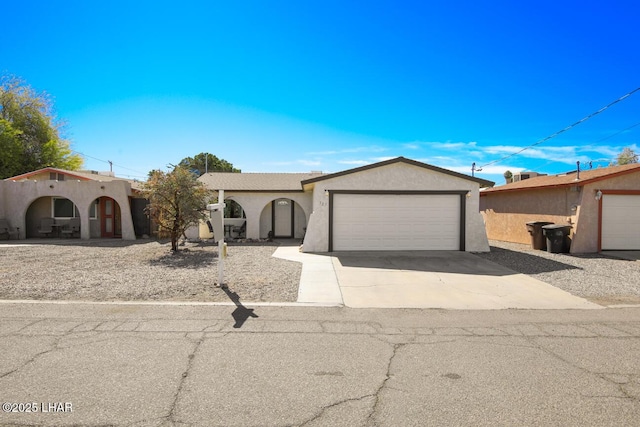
point(107, 217)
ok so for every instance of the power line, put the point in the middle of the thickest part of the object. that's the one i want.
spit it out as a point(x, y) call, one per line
point(608, 160)
point(617, 133)
point(584, 119)
point(111, 163)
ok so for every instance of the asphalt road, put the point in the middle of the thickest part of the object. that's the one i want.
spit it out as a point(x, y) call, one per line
point(154, 365)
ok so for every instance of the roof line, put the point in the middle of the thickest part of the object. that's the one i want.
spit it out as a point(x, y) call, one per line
point(48, 168)
point(482, 182)
point(576, 182)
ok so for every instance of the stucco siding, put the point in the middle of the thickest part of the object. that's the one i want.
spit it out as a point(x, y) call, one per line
point(3, 199)
point(40, 208)
point(19, 197)
point(506, 214)
point(257, 209)
point(587, 229)
point(394, 177)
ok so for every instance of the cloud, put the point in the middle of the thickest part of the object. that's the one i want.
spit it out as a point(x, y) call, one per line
point(565, 154)
point(411, 146)
point(453, 145)
point(609, 151)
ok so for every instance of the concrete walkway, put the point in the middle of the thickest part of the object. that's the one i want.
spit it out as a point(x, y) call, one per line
point(434, 279)
point(318, 281)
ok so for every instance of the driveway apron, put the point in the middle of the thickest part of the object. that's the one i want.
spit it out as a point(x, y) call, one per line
point(442, 279)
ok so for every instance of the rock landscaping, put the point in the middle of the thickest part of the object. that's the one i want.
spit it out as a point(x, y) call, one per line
point(116, 270)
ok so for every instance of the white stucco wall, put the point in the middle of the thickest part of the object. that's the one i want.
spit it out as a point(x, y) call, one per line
point(257, 206)
point(394, 177)
point(18, 196)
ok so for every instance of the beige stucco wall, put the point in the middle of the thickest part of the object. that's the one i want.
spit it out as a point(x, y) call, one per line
point(3, 199)
point(586, 229)
point(18, 196)
point(506, 214)
point(393, 177)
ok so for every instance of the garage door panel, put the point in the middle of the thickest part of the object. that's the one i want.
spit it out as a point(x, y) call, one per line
point(396, 222)
point(621, 222)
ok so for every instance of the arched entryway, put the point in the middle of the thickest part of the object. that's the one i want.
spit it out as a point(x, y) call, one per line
point(283, 218)
point(105, 218)
point(47, 216)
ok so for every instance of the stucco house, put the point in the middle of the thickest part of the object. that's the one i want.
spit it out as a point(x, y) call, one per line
point(107, 206)
point(397, 204)
point(602, 206)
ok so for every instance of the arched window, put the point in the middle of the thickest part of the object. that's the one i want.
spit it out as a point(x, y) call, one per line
point(233, 209)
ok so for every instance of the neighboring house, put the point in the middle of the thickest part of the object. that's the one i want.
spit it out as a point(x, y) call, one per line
point(397, 204)
point(602, 206)
point(106, 205)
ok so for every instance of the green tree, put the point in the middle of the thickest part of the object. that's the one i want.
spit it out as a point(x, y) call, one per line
point(626, 157)
point(30, 135)
point(508, 176)
point(202, 162)
point(177, 200)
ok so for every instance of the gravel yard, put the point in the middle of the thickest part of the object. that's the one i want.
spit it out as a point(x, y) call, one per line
point(116, 270)
point(600, 278)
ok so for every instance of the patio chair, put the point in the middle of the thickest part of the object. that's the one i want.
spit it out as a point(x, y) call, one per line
point(46, 226)
point(71, 228)
point(5, 229)
point(240, 231)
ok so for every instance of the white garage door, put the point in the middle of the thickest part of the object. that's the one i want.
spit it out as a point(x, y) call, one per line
point(396, 222)
point(620, 222)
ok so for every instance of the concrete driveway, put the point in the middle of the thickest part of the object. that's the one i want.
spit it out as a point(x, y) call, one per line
point(422, 279)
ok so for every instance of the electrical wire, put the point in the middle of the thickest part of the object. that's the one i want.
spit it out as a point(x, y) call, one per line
point(143, 175)
point(582, 120)
point(617, 133)
point(601, 160)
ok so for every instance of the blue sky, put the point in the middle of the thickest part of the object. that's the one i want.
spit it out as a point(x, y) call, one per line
point(290, 86)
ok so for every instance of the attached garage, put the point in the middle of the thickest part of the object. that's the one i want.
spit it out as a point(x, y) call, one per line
point(397, 221)
point(620, 222)
point(395, 205)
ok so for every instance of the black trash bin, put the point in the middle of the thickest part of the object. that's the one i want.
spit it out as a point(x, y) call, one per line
point(538, 241)
point(557, 237)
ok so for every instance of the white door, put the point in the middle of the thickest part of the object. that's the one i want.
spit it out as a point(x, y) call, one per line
point(282, 218)
point(620, 222)
point(396, 222)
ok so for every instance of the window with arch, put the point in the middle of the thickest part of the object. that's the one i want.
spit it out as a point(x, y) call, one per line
point(233, 209)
